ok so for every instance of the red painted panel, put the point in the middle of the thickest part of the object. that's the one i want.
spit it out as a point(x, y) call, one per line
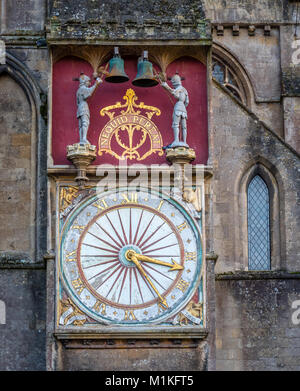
point(65, 124)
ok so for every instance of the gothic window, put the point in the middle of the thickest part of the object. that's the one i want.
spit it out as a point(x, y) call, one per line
point(258, 225)
point(227, 77)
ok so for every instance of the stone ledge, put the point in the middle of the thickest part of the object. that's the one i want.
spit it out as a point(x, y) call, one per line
point(92, 170)
point(18, 260)
point(258, 275)
point(182, 332)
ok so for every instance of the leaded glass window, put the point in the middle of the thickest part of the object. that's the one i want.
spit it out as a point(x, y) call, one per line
point(258, 225)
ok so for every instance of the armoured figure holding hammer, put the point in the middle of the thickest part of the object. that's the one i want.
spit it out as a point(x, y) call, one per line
point(83, 113)
point(179, 113)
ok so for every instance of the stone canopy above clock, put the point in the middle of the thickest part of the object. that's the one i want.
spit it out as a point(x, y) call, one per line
point(115, 20)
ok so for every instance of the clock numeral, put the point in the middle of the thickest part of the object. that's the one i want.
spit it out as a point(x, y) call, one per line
point(101, 204)
point(99, 306)
point(132, 200)
point(78, 285)
point(190, 255)
point(182, 226)
point(129, 315)
point(70, 256)
point(182, 285)
point(77, 226)
point(160, 205)
point(162, 307)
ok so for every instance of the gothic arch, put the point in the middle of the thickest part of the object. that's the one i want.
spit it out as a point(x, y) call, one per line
point(262, 167)
point(241, 76)
point(37, 100)
point(21, 74)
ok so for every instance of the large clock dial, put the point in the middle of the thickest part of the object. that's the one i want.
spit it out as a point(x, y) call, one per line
point(130, 257)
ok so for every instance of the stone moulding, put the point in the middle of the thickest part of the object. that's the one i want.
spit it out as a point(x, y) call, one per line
point(132, 343)
point(158, 30)
point(180, 333)
point(258, 275)
point(69, 171)
point(18, 260)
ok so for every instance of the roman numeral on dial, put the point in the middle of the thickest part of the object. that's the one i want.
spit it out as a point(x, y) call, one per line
point(132, 200)
point(182, 226)
point(129, 315)
point(78, 285)
point(190, 256)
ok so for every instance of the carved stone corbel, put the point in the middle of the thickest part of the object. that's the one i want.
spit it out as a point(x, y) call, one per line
point(180, 155)
point(193, 197)
point(81, 155)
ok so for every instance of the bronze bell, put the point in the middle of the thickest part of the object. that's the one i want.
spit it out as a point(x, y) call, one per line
point(144, 77)
point(116, 73)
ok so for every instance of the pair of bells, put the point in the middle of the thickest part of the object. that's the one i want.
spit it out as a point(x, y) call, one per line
point(144, 77)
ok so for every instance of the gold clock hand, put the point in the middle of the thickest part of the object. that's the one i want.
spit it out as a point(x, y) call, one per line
point(133, 258)
point(173, 266)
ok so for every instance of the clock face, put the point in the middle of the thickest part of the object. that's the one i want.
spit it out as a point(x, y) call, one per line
point(130, 257)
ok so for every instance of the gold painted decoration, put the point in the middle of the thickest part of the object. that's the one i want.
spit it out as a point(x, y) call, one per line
point(126, 134)
point(192, 313)
point(67, 194)
point(70, 314)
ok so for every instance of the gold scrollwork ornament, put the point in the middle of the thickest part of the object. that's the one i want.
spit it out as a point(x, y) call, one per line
point(124, 127)
point(70, 314)
point(192, 313)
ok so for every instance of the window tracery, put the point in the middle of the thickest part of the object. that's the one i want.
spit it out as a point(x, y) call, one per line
point(225, 75)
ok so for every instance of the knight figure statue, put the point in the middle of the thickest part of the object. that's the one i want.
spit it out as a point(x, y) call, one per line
point(179, 113)
point(83, 113)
